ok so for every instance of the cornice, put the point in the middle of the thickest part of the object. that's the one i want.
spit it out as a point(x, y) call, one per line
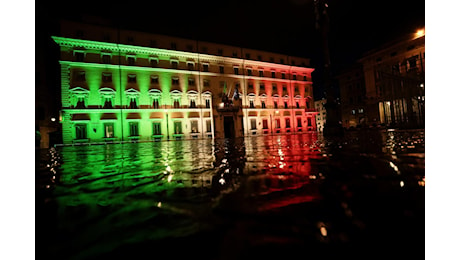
point(115, 47)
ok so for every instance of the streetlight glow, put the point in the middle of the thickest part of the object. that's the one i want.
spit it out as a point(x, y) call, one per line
point(420, 33)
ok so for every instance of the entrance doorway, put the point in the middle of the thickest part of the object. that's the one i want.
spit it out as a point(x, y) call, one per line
point(229, 127)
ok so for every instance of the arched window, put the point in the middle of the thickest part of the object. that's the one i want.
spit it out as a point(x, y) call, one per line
point(79, 97)
point(133, 98)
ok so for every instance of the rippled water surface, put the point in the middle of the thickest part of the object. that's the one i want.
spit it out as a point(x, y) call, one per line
point(259, 197)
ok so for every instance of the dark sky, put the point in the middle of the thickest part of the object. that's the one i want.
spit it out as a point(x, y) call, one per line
point(282, 26)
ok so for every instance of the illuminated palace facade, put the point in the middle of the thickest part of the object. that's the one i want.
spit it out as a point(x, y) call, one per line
point(120, 85)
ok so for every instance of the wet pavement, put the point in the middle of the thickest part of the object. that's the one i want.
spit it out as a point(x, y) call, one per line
point(283, 196)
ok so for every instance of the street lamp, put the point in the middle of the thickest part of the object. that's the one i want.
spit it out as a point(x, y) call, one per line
point(332, 126)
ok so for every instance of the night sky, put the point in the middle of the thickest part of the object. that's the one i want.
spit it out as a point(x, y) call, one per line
point(281, 26)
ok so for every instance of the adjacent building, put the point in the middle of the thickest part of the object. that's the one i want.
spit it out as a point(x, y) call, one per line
point(321, 115)
point(120, 85)
point(353, 96)
point(394, 78)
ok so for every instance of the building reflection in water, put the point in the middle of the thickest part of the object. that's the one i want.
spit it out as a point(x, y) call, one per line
point(105, 196)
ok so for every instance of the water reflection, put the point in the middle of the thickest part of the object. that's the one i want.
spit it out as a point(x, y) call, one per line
point(102, 197)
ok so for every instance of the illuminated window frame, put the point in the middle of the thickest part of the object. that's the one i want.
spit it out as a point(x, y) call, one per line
point(107, 94)
point(155, 94)
point(78, 94)
point(192, 97)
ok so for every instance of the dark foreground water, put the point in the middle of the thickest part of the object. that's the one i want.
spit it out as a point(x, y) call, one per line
point(270, 197)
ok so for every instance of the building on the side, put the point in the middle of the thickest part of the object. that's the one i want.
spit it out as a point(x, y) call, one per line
point(121, 85)
point(353, 96)
point(321, 114)
point(394, 78)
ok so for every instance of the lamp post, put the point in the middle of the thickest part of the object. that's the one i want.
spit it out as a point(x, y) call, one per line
point(167, 125)
point(332, 126)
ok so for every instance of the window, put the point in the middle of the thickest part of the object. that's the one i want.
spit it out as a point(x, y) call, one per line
point(173, 45)
point(274, 88)
point(251, 86)
point(190, 65)
point(108, 130)
point(208, 103)
point(262, 87)
point(249, 72)
point(106, 58)
point(353, 112)
point(299, 122)
point(293, 62)
point(133, 102)
point(361, 110)
point(156, 128)
point(189, 47)
point(206, 83)
point(176, 103)
point(221, 69)
point(309, 121)
point(285, 104)
point(79, 56)
point(106, 77)
point(412, 62)
point(297, 105)
point(273, 74)
point(133, 128)
point(131, 60)
point(263, 103)
point(277, 123)
point(174, 64)
point(192, 103)
point(275, 104)
point(283, 75)
point(175, 80)
point(205, 67)
point(204, 49)
point(272, 59)
point(220, 52)
point(251, 103)
point(132, 78)
point(80, 131)
point(253, 124)
point(294, 76)
point(80, 76)
point(130, 39)
point(304, 78)
point(156, 103)
point(259, 57)
point(208, 126)
point(248, 55)
point(235, 69)
point(284, 88)
point(261, 73)
point(154, 62)
point(288, 123)
point(107, 96)
point(235, 54)
point(264, 124)
point(191, 81)
point(154, 79)
point(194, 126)
point(282, 61)
point(177, 127)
